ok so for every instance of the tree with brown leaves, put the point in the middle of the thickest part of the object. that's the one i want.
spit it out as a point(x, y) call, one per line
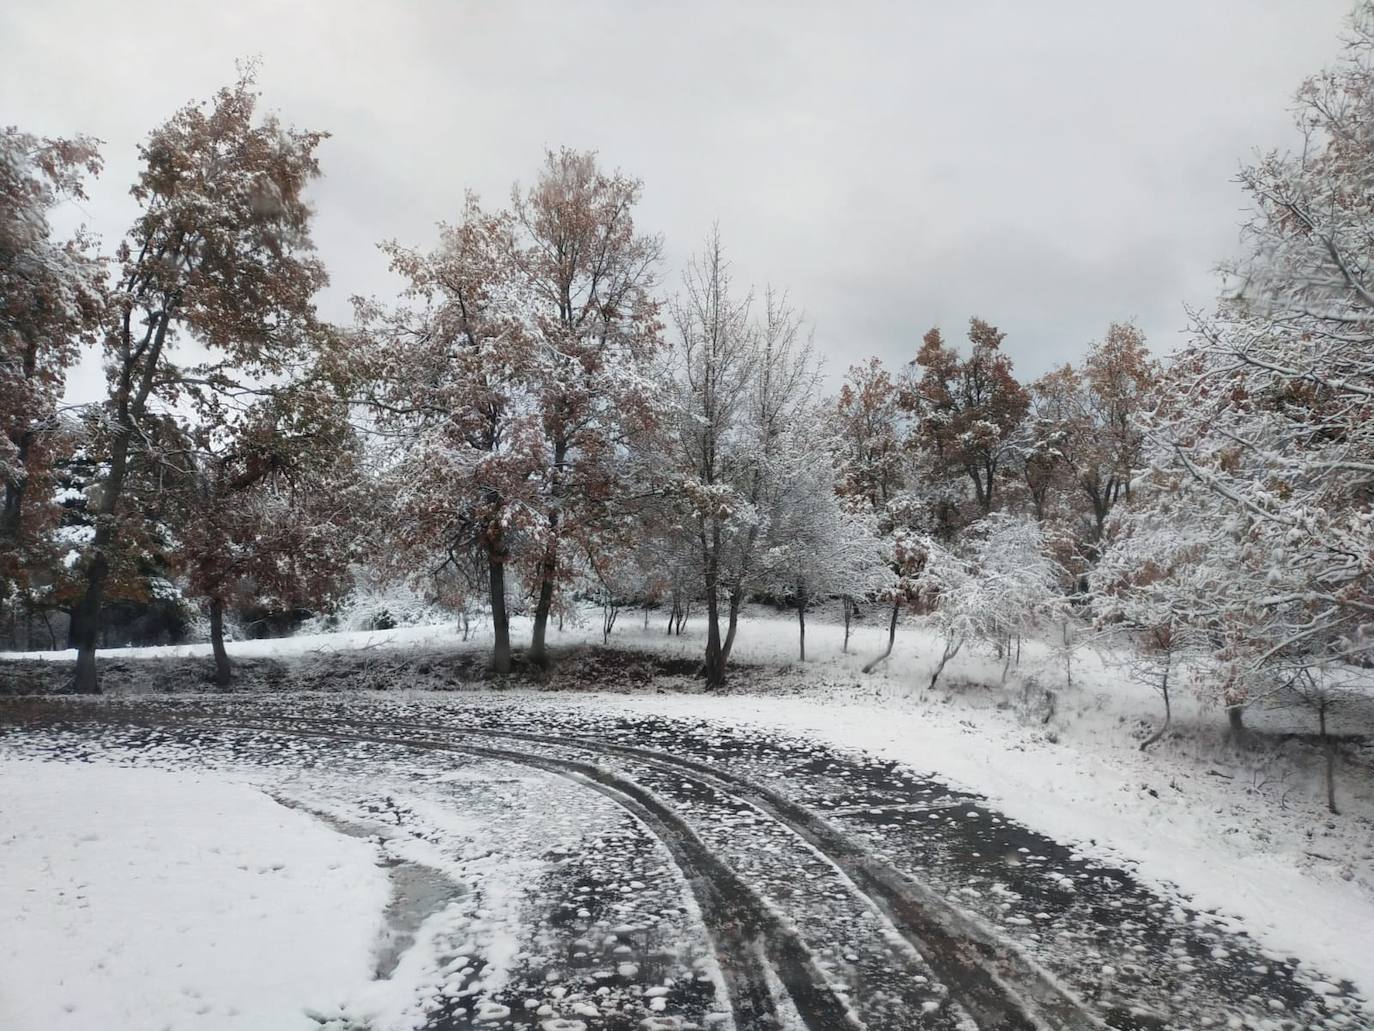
point(50, 300)
point(448, 376)
point(217, 267)
point(272, 507)
point(589, 274)
point(968, 410)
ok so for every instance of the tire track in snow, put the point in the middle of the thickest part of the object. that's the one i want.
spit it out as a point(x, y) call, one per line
point(745, 933)
point(999, 987)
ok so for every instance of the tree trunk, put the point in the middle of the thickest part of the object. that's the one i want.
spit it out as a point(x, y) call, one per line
point(86, 624)
point(548, 567)
point(715, 653)
point(1068, 655)
point(1329, 746)
point(801, 629)
point(500, 621)
point(1168, 715)
point(130, 403)
point(538, 653)
point(951, 650)
point(891, 637)
point(848, 604)
point(736, 600)
point(1235, 715)
point(223, 673)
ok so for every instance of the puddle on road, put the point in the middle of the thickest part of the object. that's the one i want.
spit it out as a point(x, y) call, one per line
point(417, 892)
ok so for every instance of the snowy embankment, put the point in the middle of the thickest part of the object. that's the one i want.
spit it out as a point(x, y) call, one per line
point(134, 896)
point(1245, 833)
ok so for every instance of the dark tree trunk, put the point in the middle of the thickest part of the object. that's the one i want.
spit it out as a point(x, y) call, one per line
point(715, 653)
point(951, 650)
point(548, 567)
point(500, 620)
point(1235, 715)
point(223, 671)
point(1329, 746)
point(86, 623)
point(1168, 715)
point(848, 604)
point(716, 656)
point(891, 637)
point(801, 629)
point(538, 652)
point(736, 600)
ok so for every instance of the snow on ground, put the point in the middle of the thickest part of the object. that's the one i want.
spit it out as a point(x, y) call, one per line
point(147, 898)
point(490, 880)
point(1242, 833)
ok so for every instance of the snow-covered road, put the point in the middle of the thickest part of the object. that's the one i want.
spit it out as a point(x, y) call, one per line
point(559, 866)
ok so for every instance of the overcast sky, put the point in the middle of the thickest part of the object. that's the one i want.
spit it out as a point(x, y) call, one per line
point(1049, 166)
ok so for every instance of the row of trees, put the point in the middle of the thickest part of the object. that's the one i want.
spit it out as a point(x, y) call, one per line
point(1253, 546)
point(539, 418)
point(222, 441)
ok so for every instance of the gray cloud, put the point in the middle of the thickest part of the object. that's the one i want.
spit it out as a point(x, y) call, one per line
point(1048, 166)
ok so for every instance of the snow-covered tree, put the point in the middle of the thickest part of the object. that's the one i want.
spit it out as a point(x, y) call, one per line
point(777, 444)
point(589, 274)
point(736, 392)
point(968, 410)
point(1082, 443)
point(823, 547)
point(1155, 585)
point(447, 378)
point(272, 508)
point(1270, 408)
point(215, 286)
point(708, 373)
point(869, 430)
point(998, 583)
point(50, 301)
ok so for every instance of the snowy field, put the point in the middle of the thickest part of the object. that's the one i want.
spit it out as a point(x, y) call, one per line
point(148, 898)
point(1243, 833)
